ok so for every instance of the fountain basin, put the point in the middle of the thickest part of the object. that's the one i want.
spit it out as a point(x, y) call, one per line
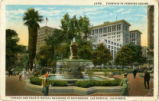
point(85, 77)
point(73, 67)
point(72, 81)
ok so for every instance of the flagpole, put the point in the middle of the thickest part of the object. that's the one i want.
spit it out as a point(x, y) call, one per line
point(46, 21)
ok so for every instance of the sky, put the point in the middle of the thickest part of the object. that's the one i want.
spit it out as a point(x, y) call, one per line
point(135, 15)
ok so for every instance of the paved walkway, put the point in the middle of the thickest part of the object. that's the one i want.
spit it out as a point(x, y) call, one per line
point(14, 87)
point(137, 86)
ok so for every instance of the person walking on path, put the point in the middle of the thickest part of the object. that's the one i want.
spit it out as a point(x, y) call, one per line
point(134, 73)
point(45, 84)
point(146, 79)
point(20, 76)
point(24, 74)
point(124, 84)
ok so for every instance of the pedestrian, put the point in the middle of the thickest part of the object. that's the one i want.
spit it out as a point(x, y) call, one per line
point(146, 79)
point(20, 76)
point(134, 73)
point(24, 74)
point(124, 84)
point(45, 84)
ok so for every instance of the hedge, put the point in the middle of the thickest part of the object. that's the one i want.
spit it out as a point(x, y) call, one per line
point(38, 81)
point(35, 80)
point(90, 83)
point(84, 83)
point(59, 83)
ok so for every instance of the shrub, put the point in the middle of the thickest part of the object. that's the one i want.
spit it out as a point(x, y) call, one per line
point(90, 83)
point(84, 84)
point(58, 83)
point(38, 81)
point(35, 80)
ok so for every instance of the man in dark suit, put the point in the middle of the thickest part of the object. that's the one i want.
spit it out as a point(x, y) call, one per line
point(146, 79)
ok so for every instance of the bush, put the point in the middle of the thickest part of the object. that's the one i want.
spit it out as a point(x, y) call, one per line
point(106, 70)
point(90, 83)
point(38, 81)
point(35, 80)
point(58, 83)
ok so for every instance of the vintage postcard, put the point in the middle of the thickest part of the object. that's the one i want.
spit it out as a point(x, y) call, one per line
point(93, 50)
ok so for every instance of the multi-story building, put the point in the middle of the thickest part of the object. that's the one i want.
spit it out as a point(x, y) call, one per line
point(150, 26)
point(135, 37)
point(43, 33)
point(113, 34)
point(150, 32)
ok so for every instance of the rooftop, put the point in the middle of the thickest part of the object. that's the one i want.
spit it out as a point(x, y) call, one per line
point(46, 27)
point(135, 31)
point(110, 23)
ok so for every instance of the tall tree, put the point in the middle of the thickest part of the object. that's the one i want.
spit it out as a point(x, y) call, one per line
point(124, 56)
point(101, 55)
point(31, 19)
point(72, 27)
point(130, 55)
point(11, 48)
point(83, 26)
point(44, 57)
point(84, 49)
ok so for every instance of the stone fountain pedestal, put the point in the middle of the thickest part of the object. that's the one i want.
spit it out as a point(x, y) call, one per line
point(72, 68)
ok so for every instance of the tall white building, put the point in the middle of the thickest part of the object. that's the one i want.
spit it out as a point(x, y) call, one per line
point(135, 37)
point(112, 34)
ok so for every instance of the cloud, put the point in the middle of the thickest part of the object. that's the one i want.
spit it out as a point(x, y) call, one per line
point(140, 15)
point(15, 12)
point(120, 10)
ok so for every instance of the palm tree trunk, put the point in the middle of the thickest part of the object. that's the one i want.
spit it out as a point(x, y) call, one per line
point(32, 45)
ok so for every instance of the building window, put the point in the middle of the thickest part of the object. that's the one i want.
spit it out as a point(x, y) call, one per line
point(106, 41)
point(92, 32)
point(119, 27)
point(100, 30)
point(118, 39)
point(108, 46)
point(109, 29)
point(105, 29)
point(112, 51)
point(114, 48)
point(114, 28)
point(96, 30)
point(109, 42)
point(126, 28)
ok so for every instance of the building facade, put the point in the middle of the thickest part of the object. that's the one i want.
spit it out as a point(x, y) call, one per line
point(150, 26)
point(135, 37)
point(43, 33)
point(112, 34)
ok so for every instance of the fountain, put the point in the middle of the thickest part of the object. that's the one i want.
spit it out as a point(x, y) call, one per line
point(73, 66)
point(71, 69)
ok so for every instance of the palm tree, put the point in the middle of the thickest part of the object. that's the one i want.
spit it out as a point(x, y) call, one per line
point(31, 19)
